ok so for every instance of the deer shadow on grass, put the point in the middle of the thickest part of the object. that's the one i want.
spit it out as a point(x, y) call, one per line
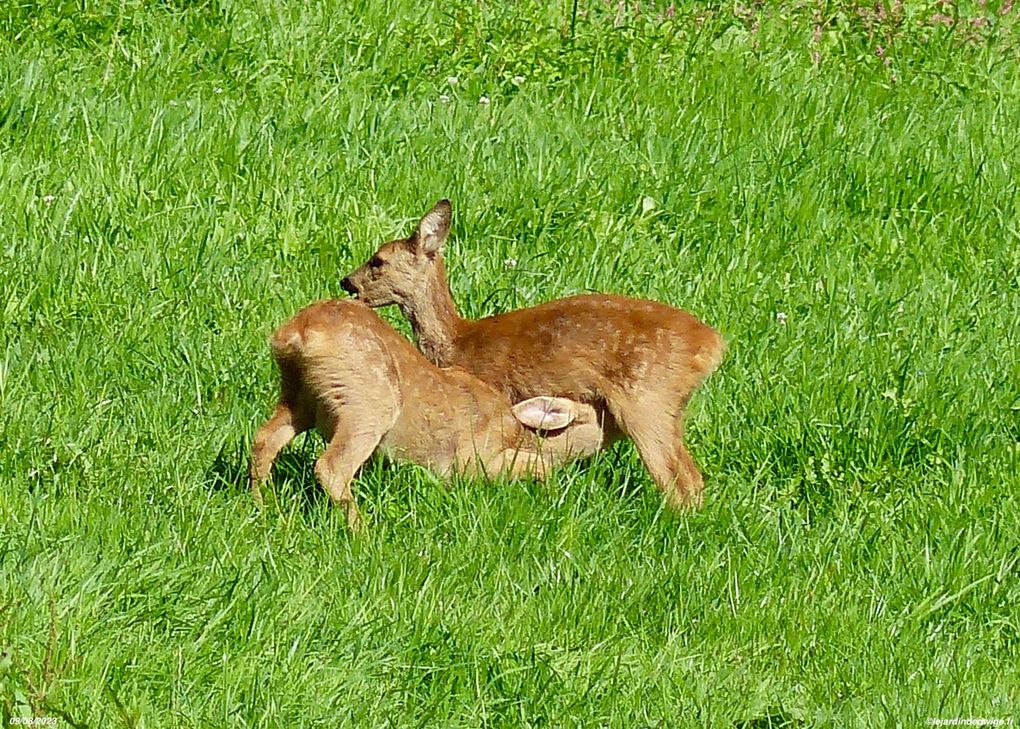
point(292, 478)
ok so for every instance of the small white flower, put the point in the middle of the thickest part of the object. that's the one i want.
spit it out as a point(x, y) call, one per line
point(452, 80)
point(781, 317)
point(218, 90)
point(510, 263)
point(445, 98)
point(484, 101)
point(49, 198)
point(518, 80)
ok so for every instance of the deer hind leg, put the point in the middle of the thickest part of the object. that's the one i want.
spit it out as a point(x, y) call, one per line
point(284, 425)
point(346, 452)
point(657, 433)
point(691, 485)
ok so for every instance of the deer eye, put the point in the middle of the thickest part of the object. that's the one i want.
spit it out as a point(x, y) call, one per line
point(376, 262)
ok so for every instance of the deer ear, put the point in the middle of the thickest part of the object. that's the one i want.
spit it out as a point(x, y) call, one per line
point(545, 413)
point(430, 235)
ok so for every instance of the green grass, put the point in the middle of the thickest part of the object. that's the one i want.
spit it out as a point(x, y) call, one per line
point(179, 177)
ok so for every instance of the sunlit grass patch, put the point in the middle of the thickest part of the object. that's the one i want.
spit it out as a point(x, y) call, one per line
point(831, 185)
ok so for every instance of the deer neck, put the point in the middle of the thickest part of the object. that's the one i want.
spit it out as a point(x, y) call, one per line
point(434, 318)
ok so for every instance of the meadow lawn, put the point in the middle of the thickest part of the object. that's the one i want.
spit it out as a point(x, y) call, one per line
point(832, 185)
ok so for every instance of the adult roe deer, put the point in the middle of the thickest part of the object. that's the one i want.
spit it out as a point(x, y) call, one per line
point(637, 360)
point(346, 372)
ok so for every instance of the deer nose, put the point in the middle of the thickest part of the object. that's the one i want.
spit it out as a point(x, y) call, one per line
point(349, 287)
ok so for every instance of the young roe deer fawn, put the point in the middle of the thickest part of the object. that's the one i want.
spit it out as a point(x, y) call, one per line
point(638, 361)
point(346, 372)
